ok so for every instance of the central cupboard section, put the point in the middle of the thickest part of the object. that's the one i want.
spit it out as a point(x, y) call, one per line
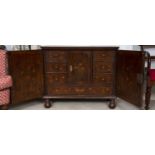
point(79, 73)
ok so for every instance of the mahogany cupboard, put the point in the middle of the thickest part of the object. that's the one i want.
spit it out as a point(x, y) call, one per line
point(77, 73)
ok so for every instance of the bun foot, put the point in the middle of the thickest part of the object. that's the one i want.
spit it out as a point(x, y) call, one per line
point(147, 108)
point(47, 103)
point(112, 104)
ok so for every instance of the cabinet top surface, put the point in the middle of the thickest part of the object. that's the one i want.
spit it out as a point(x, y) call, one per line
point(79, 47)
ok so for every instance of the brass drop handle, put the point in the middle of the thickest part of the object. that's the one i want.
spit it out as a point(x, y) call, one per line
point(70, 68)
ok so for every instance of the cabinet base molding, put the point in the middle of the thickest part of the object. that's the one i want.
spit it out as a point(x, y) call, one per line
point(48, 100)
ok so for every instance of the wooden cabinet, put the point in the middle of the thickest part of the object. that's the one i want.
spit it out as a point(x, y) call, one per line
point(77, 73)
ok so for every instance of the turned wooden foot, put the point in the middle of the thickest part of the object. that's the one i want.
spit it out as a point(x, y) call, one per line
point(5, 107)
point(47, 103)
point(147, 98)
point(112, 104)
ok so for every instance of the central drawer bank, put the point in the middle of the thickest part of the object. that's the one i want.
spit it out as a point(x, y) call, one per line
point(79, 73)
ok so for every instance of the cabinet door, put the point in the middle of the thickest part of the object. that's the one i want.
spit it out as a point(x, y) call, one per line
point(79, 67)
point(130, 76)
point(26, 69)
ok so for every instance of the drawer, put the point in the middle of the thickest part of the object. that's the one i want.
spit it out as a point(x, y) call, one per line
point(100, 67)
point(103, 56)
point(56, 67)
point(54, 79)
point(58, 56)
point(96, 91)
point(103, 78)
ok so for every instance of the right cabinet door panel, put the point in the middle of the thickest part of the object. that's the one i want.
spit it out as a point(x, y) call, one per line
point(130, 76)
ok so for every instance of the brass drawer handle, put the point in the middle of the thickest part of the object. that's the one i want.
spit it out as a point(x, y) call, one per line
point(70, 68)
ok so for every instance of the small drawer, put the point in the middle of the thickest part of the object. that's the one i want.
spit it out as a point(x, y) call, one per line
point(100, 67)
point(101, 91)
point(54, 79)
point(58, 56)
point(96, 91)
point(102, 78)
point(55, 67)
point(103, 56)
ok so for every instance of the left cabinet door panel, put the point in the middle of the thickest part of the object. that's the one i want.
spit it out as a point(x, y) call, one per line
point(26, 69)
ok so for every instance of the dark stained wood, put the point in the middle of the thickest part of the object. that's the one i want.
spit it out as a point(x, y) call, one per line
point(152, 58)
point(26, 69)
point(149, 82)
point(79, 67)
point(102, 78)
point(112, 104)
point(4, 107)
point(103, 55)
point(130, 76)
point(56, 79)
point(80, 91)
point(106, 48)
point(57, 56)
point(148, 95)
point(56, 67)
point(79, 72)
point(48, 103)
point(103, 66)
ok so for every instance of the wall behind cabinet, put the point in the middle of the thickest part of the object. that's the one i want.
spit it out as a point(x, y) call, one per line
point(129, 47)
point(13, 47)
point(123, 47)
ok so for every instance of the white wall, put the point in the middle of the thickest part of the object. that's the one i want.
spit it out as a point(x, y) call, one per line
point(152, 52)
point(13, 47)
point(129, 47)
